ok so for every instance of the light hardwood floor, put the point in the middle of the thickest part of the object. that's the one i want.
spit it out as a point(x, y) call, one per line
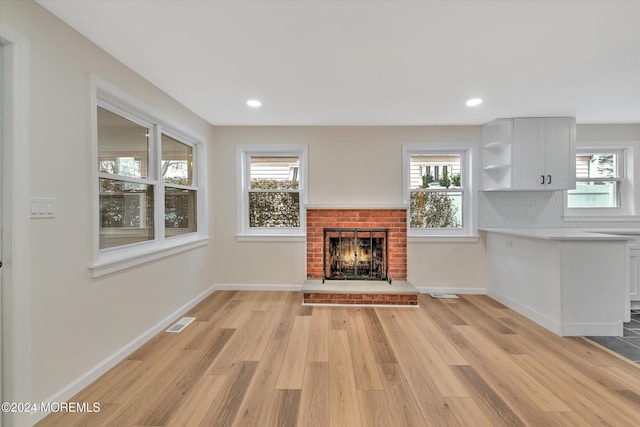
point(263, 359)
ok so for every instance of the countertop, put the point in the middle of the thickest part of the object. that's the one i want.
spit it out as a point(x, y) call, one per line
point(567, 233)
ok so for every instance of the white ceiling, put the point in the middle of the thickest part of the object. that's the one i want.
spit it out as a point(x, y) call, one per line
point(376, 62)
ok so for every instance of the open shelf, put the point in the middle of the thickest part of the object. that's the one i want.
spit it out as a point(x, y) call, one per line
point(497, 154)
point(496, 167)
point(496, 145)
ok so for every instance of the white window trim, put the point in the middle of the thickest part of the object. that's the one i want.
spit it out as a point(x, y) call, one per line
point(111, 260)
point(246, 233)
point(469, 232)
point(626, 210)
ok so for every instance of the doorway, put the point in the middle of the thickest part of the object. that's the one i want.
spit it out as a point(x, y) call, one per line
point(15, 230)
point(1, 230)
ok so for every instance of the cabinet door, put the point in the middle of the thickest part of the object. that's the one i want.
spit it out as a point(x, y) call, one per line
point(560, 161)
point(529, 153)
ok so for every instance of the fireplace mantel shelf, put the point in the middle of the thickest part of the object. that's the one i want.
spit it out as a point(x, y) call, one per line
point(341, 206)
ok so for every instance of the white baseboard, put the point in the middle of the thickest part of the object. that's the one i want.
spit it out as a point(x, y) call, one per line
point(462, 291)
point(563, 329)
point(255, 287)
point(592, 329)
point(528, 312)
point(94, 373)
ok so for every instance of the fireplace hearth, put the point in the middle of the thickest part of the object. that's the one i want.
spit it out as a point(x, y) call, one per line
point(355, 254)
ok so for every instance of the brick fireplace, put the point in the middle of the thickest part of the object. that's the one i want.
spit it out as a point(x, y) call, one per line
point(393, 221)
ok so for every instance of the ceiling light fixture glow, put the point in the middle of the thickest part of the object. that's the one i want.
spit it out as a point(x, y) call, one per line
point(473, 102)
point(254, 103)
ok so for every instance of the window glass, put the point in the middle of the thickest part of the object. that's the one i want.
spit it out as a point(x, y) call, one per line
point(123, 146)
point(597, 181)
point(274, 193)
point(272, 173)
point(180, 211)
point(177, 162)
point(436, 200)
point(274, 209)
point(436, 209)
point(126, 213)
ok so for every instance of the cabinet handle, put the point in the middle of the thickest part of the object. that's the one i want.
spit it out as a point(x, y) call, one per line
point(542, 182)
point(549, 180)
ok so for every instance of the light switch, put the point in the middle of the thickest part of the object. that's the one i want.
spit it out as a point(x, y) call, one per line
point(42, 207)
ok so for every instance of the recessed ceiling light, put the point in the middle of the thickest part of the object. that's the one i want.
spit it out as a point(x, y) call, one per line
point(254, 103)
point(473, 102)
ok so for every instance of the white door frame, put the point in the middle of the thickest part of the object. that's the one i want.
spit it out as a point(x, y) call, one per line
point(2, 107)
point(16, 285)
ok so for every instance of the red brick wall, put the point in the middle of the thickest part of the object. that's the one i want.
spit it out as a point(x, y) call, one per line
point(393, 219)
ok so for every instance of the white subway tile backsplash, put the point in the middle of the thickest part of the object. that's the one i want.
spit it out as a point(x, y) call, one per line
point(540, 209)
point(520, 209)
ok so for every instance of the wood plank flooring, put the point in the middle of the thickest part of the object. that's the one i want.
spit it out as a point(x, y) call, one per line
point(263, 359)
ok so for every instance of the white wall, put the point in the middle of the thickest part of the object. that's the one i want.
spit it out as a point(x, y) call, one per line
point(348, 166)
point(76, 321)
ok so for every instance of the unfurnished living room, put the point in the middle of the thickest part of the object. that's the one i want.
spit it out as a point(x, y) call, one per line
point(319, 213)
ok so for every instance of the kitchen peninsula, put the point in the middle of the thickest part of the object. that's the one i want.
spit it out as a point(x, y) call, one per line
point(570, 281)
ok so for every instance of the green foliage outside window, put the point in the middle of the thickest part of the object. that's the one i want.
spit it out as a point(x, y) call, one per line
point(433, 210)
point(180, 209)
point(269, 209)
point(426, 180)
point(445, 181)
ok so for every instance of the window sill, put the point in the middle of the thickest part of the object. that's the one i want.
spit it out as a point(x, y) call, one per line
point(443, 239)
point(271, 237)
point(601, 218)
point(122, 260)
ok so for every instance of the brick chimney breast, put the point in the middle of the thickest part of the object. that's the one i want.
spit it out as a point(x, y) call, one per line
point(395, 220)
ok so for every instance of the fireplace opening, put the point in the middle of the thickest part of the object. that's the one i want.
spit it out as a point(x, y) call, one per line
point(355, 254)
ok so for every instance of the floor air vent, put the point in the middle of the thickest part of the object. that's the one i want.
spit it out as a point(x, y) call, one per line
point(445, 296)
point(182, 323)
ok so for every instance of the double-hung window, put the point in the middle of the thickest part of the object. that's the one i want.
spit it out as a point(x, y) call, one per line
point(438, 189)
point(127, 191)
point(601, 185)
point(272, 190)
point(149, 200)
point(180, 191)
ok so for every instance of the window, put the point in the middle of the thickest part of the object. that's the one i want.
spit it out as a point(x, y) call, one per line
point(438, 190)
point(272, 186)
point(180, 194)
point(126, 192)
point(600, 183)
point(148, 200)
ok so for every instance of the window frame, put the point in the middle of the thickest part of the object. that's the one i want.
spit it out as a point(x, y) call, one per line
point(194, 186)
point(110, 260)
point(148, 181)
point(244, 154)
point(625, 188)
point(467, 151)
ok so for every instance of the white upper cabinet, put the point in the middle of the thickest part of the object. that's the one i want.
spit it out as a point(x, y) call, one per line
point(529, 154)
